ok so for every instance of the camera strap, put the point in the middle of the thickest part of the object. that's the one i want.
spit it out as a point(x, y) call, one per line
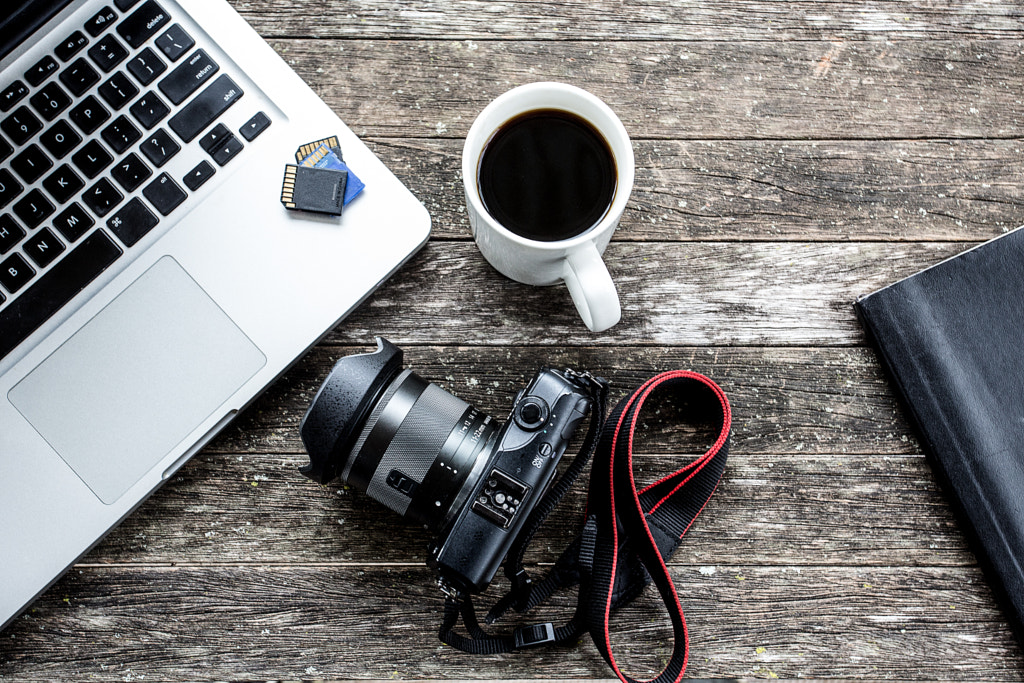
point(627, 538)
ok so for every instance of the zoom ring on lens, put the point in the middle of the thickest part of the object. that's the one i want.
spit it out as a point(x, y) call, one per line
point(417, 449)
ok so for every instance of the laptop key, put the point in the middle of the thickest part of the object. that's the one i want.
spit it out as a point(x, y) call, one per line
point(100, 21)
point(102, 197)
point(108, 53)
point(56, 287)
point(31, 163)
point(43, 247)
point(149, 110)
point(252, 128)
point(79, 77)
point(227, 150)
point(89, 115)
point(15, 273)
point(164, 194)
point(199, 175)
point(188, 77)
point(21, 125)
point(205, 108)
point(92, 159)
point(12, 94)
point(50, 101)
point(63, 184)
point(71, 46)
point(118, 91)
point(33, 209)
point(121, 134)
point(73, 222)
point(9, 187)
point(132, 222)
point(143, 23)
point(160, 147)
point(146, 66)
point(213, 139)
point(60, 139)
point(131, 172)
point(5, 149)
point(174, 42)
point(124, 5)
point(41, 70)
point(10, 233)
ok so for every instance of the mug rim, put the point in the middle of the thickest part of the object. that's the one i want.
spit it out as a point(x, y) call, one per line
point(625, 163)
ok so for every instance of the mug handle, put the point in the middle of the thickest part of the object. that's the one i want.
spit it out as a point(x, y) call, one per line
point(591, 288)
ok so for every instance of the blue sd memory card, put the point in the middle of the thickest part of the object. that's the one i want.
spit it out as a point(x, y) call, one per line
point(324, 157)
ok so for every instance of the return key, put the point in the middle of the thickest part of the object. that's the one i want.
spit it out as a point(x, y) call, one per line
point(189, 75)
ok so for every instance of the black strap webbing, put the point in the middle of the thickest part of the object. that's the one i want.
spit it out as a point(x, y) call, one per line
point(627, 537)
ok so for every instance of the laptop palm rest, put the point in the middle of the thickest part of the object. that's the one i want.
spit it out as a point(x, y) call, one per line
point(138, 378)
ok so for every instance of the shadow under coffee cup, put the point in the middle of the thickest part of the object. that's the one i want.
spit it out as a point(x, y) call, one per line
point(547, 169)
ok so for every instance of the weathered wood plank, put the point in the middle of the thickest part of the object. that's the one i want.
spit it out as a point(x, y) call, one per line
point(190, 623)
point(635, 20)
point(786, 400)
point(777, 90)
point(758, 190)
point(770, 510)
point(717, 293)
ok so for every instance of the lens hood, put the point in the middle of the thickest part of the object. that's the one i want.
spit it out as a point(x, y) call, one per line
point(340, 408)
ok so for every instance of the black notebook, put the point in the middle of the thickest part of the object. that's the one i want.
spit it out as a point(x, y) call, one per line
point(952, 339)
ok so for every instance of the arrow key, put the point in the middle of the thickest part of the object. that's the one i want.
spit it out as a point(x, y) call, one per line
point(199, 175)
point(254, 126)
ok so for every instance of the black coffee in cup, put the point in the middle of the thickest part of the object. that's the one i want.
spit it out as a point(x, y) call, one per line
point(547, 175)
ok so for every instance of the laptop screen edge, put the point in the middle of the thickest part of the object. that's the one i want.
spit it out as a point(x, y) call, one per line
point(21, 19)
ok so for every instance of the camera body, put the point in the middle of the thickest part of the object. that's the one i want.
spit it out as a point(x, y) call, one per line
point(436, 460)
point(543, 419)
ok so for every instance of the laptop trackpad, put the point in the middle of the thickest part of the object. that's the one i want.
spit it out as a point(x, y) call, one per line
point(137, 379)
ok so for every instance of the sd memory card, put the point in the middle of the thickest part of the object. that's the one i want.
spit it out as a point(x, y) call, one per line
point(321, 190)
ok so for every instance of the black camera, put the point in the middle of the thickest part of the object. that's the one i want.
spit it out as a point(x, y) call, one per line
point(436, 460)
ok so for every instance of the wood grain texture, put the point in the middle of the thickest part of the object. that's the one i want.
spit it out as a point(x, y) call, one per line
point(613, 20)
point(325, 622)
point(778, 510)
point(673, 90)
point(767, 190)
point(672, 294)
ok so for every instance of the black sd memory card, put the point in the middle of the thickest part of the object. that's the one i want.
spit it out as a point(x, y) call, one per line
point(321, 190)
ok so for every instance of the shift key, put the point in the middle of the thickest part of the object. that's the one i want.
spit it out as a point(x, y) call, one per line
point(205, 108)
point(187, 78)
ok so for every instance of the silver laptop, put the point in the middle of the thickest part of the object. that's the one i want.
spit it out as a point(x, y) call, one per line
point(152, 283)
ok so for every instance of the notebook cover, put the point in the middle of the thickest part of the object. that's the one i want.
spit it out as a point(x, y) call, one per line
point(952, 339)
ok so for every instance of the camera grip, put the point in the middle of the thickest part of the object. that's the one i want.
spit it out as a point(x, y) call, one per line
point(591, 287)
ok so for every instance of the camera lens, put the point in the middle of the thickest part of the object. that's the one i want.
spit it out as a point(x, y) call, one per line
point(407, 443)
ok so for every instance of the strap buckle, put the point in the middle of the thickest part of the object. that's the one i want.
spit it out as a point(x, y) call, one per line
point(586, 378)
point(449, 591)
point(522, 585)
point(532, 636)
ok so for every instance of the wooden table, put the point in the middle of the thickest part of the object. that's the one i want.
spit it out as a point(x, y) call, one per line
point(790, 156)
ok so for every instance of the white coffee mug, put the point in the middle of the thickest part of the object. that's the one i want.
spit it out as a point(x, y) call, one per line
point(576, 260)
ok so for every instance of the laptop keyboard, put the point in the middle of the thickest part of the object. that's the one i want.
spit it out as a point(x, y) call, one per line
point(83, 137)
